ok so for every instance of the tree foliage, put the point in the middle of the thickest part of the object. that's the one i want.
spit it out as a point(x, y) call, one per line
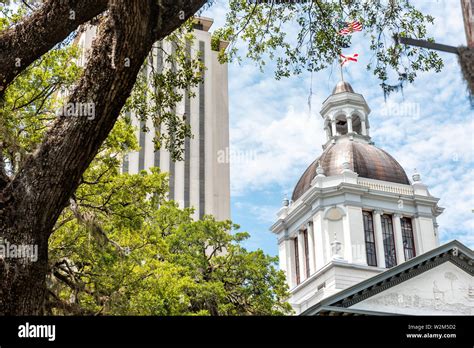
point(121, 249)
point(130, 261)
point(304, 36)
point(31, 104)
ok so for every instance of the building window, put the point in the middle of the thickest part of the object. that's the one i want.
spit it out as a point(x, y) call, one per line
point(297, 261)
point(388, 241)
point(369, 238)
point(408, 240)
point(306, 252)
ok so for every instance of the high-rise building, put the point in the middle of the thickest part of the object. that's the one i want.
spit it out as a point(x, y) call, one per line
point(360, 238)
point(202, 179)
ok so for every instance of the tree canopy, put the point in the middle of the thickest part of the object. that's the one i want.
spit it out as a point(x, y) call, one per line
point(305, 36)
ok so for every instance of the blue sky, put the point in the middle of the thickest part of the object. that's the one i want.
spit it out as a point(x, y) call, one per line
point(275, 135)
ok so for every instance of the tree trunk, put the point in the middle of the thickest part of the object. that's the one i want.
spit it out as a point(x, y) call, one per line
point(22, 44)
point(31, 202)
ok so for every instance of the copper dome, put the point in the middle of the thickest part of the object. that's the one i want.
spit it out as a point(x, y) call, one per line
point(365, 159)
point(341, 87)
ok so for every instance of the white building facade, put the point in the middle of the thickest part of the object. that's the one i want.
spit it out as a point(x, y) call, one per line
point(354, 213)
point(202, 179)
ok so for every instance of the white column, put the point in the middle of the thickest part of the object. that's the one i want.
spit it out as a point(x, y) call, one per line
point(283, 254)
point(327, 241)
point(301, 258)
point(379, 238)
point(397, 230)
point(347, 242)
point(418, 235)
point(349, 124)
point(312, 258)
point(318, 234)
point(333, 125)
point(362, 126)
point(328, 133)
point(291, 263)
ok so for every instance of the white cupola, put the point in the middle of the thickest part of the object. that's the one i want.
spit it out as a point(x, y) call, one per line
point(345, 115)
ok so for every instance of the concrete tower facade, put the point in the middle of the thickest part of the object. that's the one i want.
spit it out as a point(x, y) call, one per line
point(202, 179)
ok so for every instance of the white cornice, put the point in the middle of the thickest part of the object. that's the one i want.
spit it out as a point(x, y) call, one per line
point(305, 203)
point(345, 99)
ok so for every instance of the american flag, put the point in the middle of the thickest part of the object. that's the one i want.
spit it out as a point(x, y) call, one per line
point(350, 28)
point(349, 58)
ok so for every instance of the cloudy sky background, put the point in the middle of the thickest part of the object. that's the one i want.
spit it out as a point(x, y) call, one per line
point(275, 135)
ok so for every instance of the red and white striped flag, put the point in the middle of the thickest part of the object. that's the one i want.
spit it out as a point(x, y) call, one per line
point(350, 28)
point(348, 58)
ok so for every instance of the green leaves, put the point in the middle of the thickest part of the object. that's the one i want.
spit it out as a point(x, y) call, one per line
point(157, 92)
point(127, 256)
point(120, 248)
point(263, 28)
point(31, 102)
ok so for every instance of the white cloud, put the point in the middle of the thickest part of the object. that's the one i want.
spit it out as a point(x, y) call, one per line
point(262, 213)
point(282, 145)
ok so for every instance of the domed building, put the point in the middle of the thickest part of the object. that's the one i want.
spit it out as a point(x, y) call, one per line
point(359, 237)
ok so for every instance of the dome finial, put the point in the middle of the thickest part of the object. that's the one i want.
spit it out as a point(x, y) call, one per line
point(416, 176)
point(320, 170)
point(286, 202)
point(346, 167)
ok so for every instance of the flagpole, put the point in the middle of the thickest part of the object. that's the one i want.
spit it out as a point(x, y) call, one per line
point(349, 29)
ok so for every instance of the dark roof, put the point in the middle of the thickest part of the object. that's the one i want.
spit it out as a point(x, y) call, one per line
point(454, 251)
point(365, 159)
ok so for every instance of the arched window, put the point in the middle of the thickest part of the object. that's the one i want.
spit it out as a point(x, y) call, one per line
point(341, 125)
point(356, 124)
